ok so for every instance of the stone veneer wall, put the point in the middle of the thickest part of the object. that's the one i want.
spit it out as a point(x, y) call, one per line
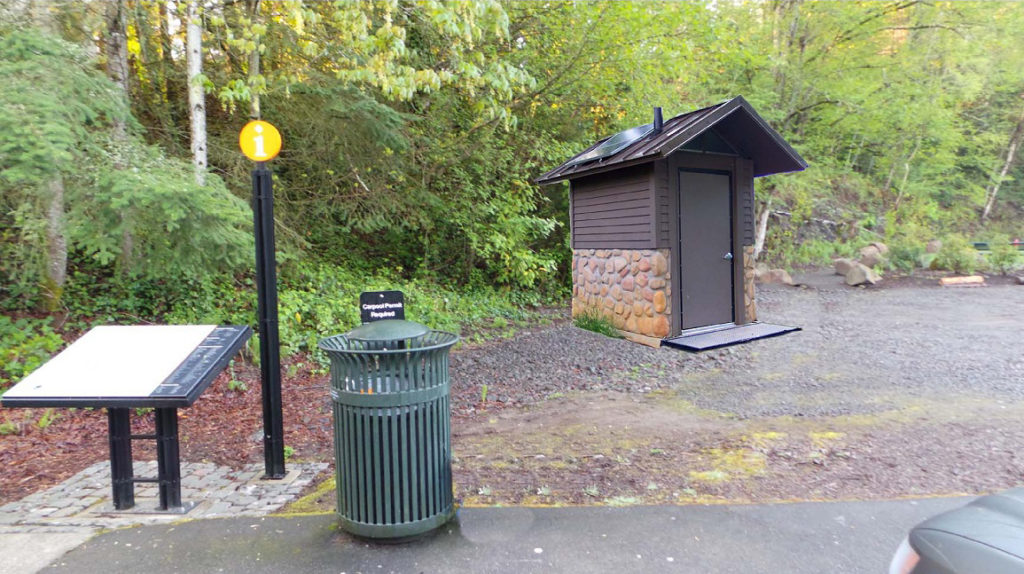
point(630, 287)
point(748, 283)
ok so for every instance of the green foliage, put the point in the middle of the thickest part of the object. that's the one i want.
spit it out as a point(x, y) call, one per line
point(56, 112)
point(316, 300)
point(25, 344)
point(814, 251)
point(180, 228)
point(234, 384)
point(594, 321)
point(413, 132)
point(905, 255)
point(957, 254)
point(47, 419)
point(1003, 256)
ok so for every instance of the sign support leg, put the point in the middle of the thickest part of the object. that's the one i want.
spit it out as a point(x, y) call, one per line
point(270, 354)
point(168, 458)
point(119, 426)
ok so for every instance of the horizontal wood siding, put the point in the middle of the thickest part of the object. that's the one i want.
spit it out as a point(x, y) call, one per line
point(663, 211)
point(745, 188)
point(613, 210)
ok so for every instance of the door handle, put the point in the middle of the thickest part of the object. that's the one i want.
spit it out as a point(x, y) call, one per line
point(727, 256)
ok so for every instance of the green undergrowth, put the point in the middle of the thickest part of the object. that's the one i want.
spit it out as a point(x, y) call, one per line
point(597, 323)
point(315, 300)
point(25, 343)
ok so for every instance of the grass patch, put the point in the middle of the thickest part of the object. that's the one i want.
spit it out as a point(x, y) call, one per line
point(597, 323)
point(321, 499)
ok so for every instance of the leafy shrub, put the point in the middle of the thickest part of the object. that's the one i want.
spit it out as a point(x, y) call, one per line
point(316, 300)
point(814, 252)
point(593, 321)
point(25, 344)
point(905, 254)
point(957, 254)
point(1003, 256)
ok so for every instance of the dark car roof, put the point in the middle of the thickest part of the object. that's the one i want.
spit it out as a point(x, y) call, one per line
point(988, 532)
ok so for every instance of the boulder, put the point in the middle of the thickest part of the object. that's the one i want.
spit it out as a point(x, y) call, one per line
point(860, 274)
point(761, 272)
point(870, 256)
point(843, 265)
point(881, 247)
point(780, 276)
point(933, 246)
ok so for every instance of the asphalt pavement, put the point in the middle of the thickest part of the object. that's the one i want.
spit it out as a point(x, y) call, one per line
point(794, 538)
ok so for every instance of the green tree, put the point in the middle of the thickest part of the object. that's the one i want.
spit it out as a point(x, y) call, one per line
point(56, 114)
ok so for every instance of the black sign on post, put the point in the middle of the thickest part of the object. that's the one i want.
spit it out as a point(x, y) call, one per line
point(379, 305)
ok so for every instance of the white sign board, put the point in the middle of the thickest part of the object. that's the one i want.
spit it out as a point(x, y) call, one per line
point(114, 361)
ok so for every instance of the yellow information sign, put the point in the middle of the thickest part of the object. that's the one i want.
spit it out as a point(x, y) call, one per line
point(260, 141)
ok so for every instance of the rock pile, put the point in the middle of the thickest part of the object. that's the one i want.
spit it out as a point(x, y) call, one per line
point(862, 271)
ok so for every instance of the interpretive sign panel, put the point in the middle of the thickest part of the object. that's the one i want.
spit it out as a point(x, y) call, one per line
point(137, 365)
point(378, 305)
point(123, 367)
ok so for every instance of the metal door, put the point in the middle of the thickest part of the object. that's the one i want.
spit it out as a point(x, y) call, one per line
point(705, 252)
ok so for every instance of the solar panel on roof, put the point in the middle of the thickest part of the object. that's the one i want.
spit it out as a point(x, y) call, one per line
point(613, 145)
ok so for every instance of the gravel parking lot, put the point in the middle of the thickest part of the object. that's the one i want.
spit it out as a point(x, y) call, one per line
point(860, 351)
point(890, 391)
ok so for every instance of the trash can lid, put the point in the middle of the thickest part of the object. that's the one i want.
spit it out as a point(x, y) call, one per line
point(388, 330)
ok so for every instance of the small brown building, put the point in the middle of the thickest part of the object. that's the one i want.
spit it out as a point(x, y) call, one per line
point(662, 220)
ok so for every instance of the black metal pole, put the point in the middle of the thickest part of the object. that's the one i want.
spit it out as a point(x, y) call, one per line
point(270, 353)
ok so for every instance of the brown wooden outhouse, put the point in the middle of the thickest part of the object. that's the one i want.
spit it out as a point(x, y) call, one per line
point(662, 220)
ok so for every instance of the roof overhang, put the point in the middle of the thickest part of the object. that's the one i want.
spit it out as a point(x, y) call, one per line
point(734, 120)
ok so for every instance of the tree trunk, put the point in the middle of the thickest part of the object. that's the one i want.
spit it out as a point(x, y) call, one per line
point(167, 97)
point(762, 228)
point(56, 239)
point(56, 246)
point(254, 66)
point(196, 97)
point(906, 174)
point(1011, 154)
point(115, 44)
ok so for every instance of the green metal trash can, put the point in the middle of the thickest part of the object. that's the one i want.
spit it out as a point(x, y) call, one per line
point(392, 439)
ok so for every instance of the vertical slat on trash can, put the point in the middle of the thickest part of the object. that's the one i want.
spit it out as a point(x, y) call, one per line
point(342, 437)
point(429, 448)
point(365, 467)
point(406, 490)
point(378, 480)
point(385, 462)
point(415, 471)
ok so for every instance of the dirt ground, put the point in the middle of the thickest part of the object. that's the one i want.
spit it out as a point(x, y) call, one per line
point(905, 390)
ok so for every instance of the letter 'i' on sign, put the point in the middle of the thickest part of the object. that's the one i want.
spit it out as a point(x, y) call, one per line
point(260, 141)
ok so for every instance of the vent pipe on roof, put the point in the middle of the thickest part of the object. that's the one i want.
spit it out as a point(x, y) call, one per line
point(658, 122)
